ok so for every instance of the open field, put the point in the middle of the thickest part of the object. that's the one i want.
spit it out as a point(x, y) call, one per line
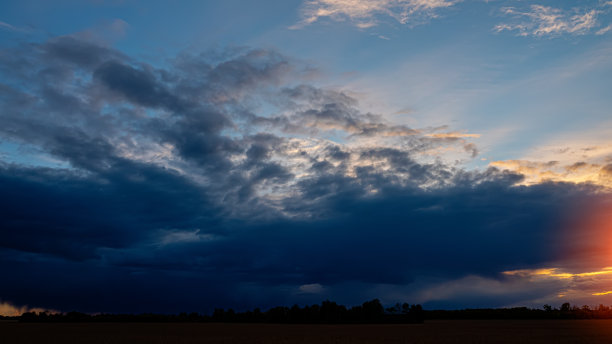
point(447, 331)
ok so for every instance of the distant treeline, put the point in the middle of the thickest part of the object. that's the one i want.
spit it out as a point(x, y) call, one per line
point(566, 311)
point(327, 313)
point(330, 312)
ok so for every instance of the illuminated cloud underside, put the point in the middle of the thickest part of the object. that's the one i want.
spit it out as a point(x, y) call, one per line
point(575, 286)
point(364, 13)
point(571, 162)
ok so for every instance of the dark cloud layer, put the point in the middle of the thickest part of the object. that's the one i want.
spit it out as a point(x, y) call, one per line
point(227, 180)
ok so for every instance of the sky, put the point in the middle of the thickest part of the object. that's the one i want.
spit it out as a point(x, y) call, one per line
point(176, 157)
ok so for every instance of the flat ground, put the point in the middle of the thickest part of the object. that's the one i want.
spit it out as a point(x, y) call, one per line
point(447, 331)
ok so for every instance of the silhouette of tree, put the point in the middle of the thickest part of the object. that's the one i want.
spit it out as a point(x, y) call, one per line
point(405, 308)
point(373, 311)
point(566, 307)
point(395, 309)
point(218, 315)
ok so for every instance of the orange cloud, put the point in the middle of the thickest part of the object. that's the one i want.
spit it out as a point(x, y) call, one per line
point(556, 171)
point(573, 286)
point(7, 309)
point(453, 135)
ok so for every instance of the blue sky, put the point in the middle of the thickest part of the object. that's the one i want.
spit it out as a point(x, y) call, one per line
point(279, 152)
point(451, 66)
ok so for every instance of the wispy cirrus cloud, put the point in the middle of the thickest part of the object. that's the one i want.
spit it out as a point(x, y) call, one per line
point(539, 21)
point(8, 27)
point(366, 13)
point(604, 30)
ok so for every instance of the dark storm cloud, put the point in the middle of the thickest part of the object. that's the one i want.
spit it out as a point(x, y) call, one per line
point(136, 85)
point(391, 239)
point(68, 49)
point(180, 190)
point(66, 214)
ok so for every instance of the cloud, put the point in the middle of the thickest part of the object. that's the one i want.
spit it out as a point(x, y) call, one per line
point(12, 28)
point(577, 161)
point(453, 135)
point(72, 50)
point(313, 288)
point(541, 21)
point(317, 109)
point(366, 13)
point(604, 30)
point(105, 32)
point(526, 287)
point(137, 86)
point(10, 310)
point(229, 180)
point(590, 287)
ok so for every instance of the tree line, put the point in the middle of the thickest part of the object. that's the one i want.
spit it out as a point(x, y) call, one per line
point(329, 312)
point(566, 311)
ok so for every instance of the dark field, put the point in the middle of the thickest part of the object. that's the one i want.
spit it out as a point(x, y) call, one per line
point(443, 331)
